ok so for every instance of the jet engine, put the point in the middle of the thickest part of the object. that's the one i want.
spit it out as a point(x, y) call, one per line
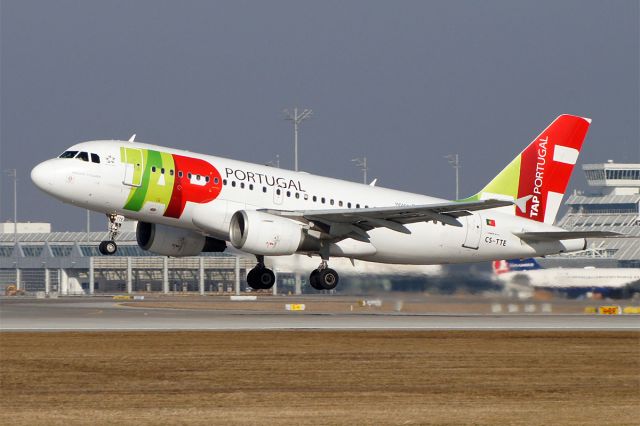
point(170, 241)
point(265, 234)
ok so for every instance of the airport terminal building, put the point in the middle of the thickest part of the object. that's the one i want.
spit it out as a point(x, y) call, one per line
point(68, 263)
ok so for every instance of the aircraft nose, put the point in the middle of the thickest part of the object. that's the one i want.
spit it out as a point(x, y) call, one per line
point(41, 176)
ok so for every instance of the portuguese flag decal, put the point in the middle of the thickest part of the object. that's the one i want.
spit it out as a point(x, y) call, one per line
point(491, 222)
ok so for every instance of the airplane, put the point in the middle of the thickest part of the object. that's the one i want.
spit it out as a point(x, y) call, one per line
point(575, 281)
point(188, 203)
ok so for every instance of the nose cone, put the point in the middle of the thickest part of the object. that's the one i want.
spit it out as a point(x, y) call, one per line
point(41, 176)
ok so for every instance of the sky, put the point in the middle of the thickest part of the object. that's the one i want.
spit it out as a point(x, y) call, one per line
point(403, 83)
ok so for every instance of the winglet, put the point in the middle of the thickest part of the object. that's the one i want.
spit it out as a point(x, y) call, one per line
point(132, 138)
point(373, 182)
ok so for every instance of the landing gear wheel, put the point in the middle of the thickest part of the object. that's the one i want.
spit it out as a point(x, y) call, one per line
point(108, 248)
point(327, 279)
point(313, 280)
point(251, 279)
point(261, 278)
point(266, 278)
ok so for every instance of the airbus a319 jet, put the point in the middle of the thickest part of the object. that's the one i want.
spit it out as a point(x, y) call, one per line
point(187, 203)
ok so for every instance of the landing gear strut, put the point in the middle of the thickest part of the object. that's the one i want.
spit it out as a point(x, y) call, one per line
point(109, 247)
point(261, 277)
point(324, 278)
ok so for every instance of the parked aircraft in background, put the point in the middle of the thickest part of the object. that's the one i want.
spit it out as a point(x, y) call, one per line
point(527, 273)
point(187, 203)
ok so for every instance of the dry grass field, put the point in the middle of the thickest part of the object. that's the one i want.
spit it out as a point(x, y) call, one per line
point(320, 377)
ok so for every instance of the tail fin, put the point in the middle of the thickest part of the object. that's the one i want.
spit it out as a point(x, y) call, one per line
point(538, 177)
point(514, 265)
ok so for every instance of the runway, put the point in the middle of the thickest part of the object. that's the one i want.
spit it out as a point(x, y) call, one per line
point(101, 315)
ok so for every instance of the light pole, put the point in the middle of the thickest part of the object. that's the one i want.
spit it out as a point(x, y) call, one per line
point(362, 163)
point(13, 174)
point(454, 160)
point(297, 118)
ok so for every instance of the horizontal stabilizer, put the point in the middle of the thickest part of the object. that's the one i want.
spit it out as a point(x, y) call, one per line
point(566, 235)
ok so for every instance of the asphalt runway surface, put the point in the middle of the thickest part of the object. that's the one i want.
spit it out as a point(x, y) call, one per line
point(99, 314)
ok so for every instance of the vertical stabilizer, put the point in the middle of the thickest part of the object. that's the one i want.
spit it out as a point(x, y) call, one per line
point(538, 177)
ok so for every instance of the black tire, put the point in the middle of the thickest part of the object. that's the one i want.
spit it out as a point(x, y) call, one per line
point(261, 278)
point(266, 278)
point(313, 280)
point(252, 279)
point(108, 248)
point(328, 279)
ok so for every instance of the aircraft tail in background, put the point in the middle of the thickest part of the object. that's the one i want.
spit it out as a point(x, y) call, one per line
point(514, 265)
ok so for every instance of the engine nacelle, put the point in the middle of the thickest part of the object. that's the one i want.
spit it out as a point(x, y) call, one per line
point(265, 234)
point(170, 241)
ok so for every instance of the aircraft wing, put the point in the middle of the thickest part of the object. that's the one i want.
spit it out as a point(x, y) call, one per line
point(355, 222)
point(566, 235)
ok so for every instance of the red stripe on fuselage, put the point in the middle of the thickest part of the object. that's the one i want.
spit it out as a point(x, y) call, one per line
point(186, 189)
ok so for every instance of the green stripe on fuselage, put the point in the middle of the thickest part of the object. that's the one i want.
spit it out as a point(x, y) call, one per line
point(161, 184)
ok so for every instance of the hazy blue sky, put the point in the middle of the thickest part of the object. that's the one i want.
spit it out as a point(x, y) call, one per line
point(402, 82)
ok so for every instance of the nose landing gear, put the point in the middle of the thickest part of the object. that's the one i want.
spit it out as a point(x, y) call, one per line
point(110, 247)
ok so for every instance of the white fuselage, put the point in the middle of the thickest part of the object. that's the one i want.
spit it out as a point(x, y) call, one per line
point(106, 186)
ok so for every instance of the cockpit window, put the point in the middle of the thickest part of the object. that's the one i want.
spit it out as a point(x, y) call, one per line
point(83, 156)
point(95, 158)
point(68, 154)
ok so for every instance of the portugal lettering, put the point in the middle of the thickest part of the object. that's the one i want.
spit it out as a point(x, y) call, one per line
point(538, 181)
point(263, 179)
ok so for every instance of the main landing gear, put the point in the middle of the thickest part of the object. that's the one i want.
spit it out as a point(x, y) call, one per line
point(324, 278)
point(261, 277)
point(110, 247)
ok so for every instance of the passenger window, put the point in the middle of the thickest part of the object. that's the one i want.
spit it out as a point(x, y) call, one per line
point(189, 175)
point(171, 172)
point(340, 203)
point(297, 195)
point(83, 156)
point(224, 181)
point(233, 183)
point(278, 191)
point(306, 196)
point(68, 154)
point(288, 193)
point(264, 189)
point(162, 171)
point(153, 169)
point(331, 202)
point(242, 185)
point(357, 206)
point(250, 187)
point(180, 174)
point(95, 158)
point(315, 198)
point(349, 205)
point(216, 181)
point(322, 200)
point(197, 177)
